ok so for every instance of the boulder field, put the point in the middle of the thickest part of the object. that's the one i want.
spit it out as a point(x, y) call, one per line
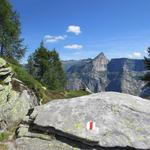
point(101, 121)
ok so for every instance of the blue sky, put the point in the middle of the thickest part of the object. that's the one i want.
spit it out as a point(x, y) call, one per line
point(84, 28)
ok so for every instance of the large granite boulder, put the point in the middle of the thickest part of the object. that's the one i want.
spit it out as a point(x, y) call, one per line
point(15, 98)
point(102, 121)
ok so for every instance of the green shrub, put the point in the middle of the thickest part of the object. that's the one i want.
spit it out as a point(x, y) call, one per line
point(12, 61)
point(3, 136)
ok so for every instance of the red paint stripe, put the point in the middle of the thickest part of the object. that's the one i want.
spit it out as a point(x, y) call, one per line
point(91, 125)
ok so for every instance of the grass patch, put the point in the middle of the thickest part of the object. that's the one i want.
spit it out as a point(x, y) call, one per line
point(75, 93)
point(9, 134)
point(51, 95)
point(3, 146)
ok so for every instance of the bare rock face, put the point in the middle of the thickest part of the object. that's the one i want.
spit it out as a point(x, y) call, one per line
point(76, 84)
point(124, 76)
point(15, 98)
point(100, 62)
point(102, 121)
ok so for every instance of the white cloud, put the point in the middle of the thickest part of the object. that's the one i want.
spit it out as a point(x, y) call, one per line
point(52, 39)
point(74, 29)
point(135, 55)
point(73, 46)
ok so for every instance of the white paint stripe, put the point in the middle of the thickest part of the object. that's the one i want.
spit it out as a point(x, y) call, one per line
point(88, 126)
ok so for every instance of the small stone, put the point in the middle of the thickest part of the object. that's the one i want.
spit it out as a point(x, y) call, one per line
point(8, 79)
point(16, 80)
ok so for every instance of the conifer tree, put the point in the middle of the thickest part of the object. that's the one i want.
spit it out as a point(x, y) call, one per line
point(54, 77)
point(11, 45)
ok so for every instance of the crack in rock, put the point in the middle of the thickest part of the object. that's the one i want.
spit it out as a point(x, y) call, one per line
point(73, 140)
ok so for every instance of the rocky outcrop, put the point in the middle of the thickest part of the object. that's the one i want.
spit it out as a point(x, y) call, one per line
point(15, 98)
point(99, 74)
point(121, 123)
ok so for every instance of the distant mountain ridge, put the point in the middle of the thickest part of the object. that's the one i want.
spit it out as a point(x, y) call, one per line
point(100, 74)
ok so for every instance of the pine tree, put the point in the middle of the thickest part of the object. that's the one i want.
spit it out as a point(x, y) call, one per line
point(54, 77)
point(11, 45)
point(30, 66)
point(41, 61)
point(147, 64)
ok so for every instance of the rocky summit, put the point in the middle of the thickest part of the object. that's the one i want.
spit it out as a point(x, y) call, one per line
point(99, 74)
point(101, 121)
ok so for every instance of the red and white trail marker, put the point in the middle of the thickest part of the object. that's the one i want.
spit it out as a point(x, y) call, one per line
point(92, 126)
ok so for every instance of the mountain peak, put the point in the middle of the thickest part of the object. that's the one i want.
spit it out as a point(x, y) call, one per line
point(100, 55)
point(100, 62)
